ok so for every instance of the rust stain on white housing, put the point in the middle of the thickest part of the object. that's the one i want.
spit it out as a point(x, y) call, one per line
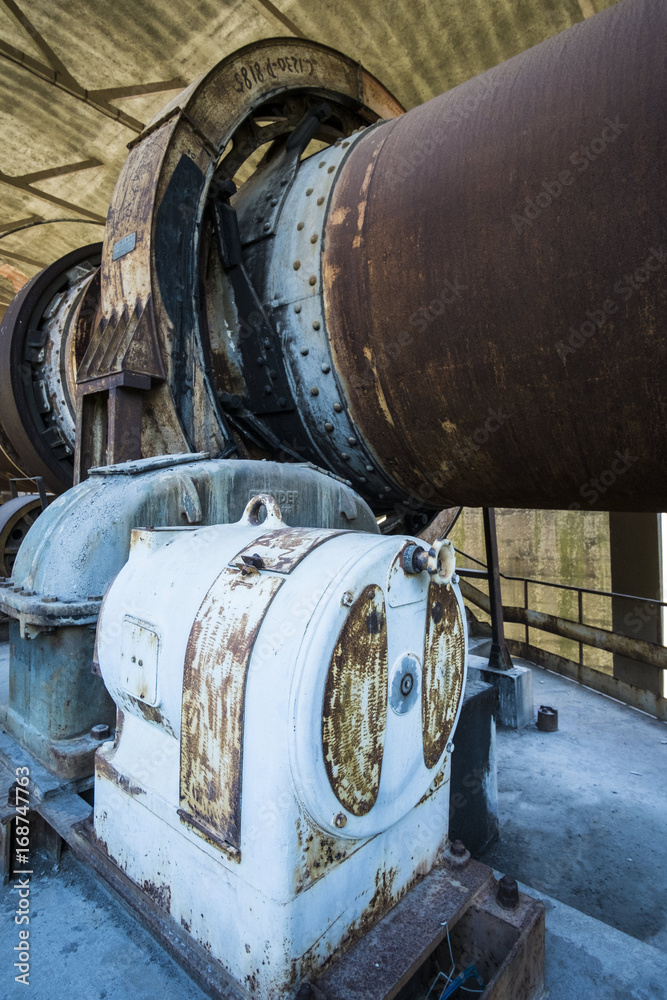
point(354, 715)
point(214, 680)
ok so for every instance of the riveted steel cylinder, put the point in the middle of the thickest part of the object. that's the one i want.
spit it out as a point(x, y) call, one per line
point(495, 278)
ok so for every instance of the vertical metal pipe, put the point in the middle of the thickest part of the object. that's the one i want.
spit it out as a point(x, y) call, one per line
point(499, 656)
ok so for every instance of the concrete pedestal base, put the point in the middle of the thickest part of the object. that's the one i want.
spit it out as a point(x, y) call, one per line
point(514, 691)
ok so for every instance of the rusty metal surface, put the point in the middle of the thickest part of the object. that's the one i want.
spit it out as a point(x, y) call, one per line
point(318, 852)
point(282, 549)
point(16, 518)
point(354, 713)
point(495, 274)
point(35, 419)
point(212, 717)
point(441, 525)
point(376, 967)
point(444, 666)
point(160, 199)
point(461, 899)
point(491, 928)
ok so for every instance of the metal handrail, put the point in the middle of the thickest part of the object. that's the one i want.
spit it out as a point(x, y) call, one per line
point(641, 650)
point(567, 586)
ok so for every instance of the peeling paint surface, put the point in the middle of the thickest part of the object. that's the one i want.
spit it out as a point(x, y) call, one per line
point(444, 664)
point(354, 715)
point(217, 659)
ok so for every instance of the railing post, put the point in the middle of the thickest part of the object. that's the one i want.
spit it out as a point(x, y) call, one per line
point(581, 622)
point(525, 604)
point(499, 657)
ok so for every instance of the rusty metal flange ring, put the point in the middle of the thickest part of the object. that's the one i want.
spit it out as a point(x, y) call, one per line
point(16, 518)
point(152, 251)
point(33, 423)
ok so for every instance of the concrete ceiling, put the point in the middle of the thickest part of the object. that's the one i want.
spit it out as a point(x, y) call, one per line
point(79, 80)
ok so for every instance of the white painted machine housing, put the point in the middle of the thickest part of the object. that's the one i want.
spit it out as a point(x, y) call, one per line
point(302, 872)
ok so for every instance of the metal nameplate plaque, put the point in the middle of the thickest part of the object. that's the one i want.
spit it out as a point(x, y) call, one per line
point(126, 245)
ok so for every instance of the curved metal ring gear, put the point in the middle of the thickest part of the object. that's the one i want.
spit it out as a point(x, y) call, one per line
point(158, 258)
point(40, 347)
point(16, 518)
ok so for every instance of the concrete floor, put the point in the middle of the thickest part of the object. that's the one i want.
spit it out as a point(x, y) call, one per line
point(583, 811)
point(571, 815)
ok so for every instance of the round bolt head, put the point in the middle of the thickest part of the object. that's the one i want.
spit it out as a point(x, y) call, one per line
point(100, 732)
point(320, 201)
point(344, 455)
point(297, 308)
point(458, 848)
point(508, 893)
point(312, 280)
point(314, 391)
point(304, 351)
point(352, 441)
point(340, 820)
point(316, 324)
point(347, 599)
point(266, 226)
point(338, 408)
point(309, 191)
point(450, 747)
point(296, 265)
point(313, 238)
point(328, 427)
point(299, 226)
point(326, 368)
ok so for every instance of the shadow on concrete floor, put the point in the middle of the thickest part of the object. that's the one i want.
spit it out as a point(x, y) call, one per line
point(583, 811)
